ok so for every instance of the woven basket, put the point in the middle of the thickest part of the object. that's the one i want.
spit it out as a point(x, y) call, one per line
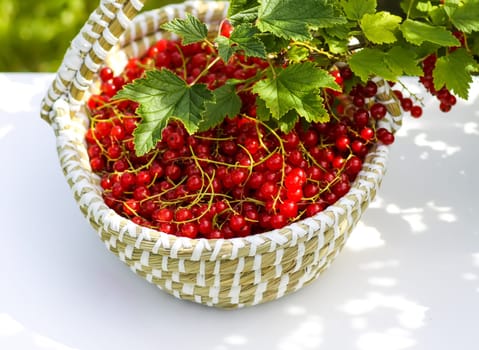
point(226, 273)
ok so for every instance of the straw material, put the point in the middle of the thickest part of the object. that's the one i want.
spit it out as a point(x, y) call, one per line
point(226, 273)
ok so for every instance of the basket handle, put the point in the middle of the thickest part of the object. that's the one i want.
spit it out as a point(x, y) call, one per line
point(86, 53)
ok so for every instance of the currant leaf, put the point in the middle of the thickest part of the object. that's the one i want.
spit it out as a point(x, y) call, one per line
point(313, 109)
point(371, 62)
point(226, 103)
point(356, 9)
point(411, 8)
point(243, 11)
point(464, 16)
point(225, 50)
point(163, 96)
point(285, 19)
point(243, 38)
point(417, 32)
point(190, 29)
point(238, 6)
point(446, 72)
point(379, 27)
point(426, 7)
point(403, 61)
point(262, 112)
point(337, 37)
point(288, 121)
point(291, 88)
point(298, 53)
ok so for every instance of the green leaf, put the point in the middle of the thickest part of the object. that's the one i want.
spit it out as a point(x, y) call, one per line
point(225, 50)
point(243, 38)
point(298, 53)
point(243, 11)
point(426, 6)
point(356, 9)
point(293, 88)
point(262, 112)
point(454, 71)
point(337, 37)
point(190, 29)
point(417, 32)
point(226, 103)
point(341, 32)
point(288, 121)
point(290, 20)
point(410, 8)
point(379, 27)
point(464, 16)
point(247, 16)
point(163, 96)
point(371, 62)
point(313, 108)
point(403, 61)
point(238, 6)
point(273, 43)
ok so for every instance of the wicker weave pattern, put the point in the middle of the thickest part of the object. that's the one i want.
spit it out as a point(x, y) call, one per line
point(224, 273)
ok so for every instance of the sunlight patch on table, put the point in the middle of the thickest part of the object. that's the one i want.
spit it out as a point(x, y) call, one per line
point(9, 326)
point(359, 323)
point(414, 216)
point(307, 335)
point(471, 128)
point(421, 140)
point(469, 276)
point(382, 281)
point(5, 130)
point(235, 339)
point(475, 259)
point(416, 222)
point(44, 342)
point(294, 310)
point(409, 313)
point(379, 264)
point(391, 339)
point(364, 237)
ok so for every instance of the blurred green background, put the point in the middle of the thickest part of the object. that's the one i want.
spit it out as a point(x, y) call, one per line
point(35, 34)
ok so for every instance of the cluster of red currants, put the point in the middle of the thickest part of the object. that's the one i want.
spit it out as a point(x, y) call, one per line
point(445, 97)
point(239, 178)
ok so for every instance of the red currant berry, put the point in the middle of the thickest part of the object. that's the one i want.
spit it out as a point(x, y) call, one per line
point(190, 230)
point(289, 208)
point(237, 222)
point(278, 221)
point(367, 133)
point(342, 143)
point(314, 208)
point(106, 73)
point(275, 162)
point(194, 183)
point(294, 194)
point(183, 214)
point(131, 207)
point(385, 136)
point(378, 111)
point(416, 111)
point(406, 104)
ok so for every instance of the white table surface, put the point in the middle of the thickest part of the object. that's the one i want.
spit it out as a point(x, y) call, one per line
point(408, 278)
